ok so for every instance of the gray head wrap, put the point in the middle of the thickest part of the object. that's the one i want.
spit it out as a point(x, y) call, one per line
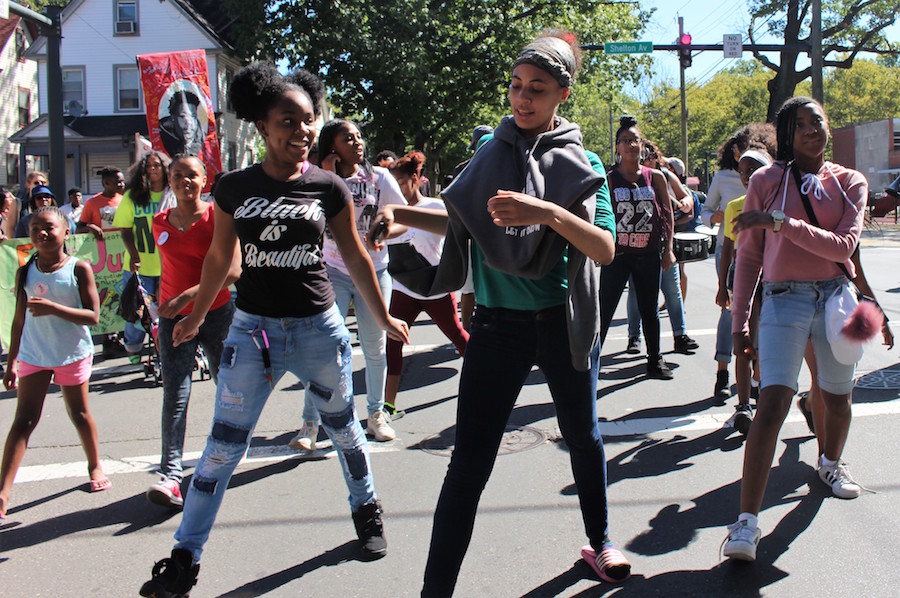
point(552, 55)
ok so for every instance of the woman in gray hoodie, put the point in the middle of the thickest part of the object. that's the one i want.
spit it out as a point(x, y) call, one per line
point(528, 202)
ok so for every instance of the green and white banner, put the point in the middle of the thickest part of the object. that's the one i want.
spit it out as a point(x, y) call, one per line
point(107, 259)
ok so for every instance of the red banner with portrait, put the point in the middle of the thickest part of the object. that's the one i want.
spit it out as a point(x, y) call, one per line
point(180, 114)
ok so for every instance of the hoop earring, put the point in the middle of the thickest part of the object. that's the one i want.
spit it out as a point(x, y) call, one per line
point(618, 158)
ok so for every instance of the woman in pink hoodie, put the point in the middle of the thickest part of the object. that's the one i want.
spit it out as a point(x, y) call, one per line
point(803, 246)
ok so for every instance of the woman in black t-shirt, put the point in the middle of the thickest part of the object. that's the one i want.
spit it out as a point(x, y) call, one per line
point(285, 320)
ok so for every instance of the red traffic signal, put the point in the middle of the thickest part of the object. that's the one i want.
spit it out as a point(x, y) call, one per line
point(684, 50)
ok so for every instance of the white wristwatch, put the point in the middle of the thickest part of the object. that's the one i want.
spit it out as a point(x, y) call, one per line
point(778, 220)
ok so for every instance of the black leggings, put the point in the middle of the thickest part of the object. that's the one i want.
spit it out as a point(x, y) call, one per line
point(644, 270)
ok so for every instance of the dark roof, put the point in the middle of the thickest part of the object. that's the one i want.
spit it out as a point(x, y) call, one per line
point(109, 126)
point(7, 28)
point(211, 15)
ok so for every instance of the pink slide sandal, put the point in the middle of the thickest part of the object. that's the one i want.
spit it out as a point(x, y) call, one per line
point(610, 565)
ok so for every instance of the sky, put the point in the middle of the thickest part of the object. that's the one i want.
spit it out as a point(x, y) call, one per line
point(706, 21)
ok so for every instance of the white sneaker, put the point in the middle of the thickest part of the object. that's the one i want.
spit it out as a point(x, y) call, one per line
point(379, 427)
point(305, 440)
point(742, 541)
point(838, 477)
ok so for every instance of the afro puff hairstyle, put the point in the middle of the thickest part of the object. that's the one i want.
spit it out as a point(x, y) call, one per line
point(257, 87)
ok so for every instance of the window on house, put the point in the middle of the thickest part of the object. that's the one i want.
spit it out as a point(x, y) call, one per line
point(73, 91)
point(24, 106)
point(12, 169)
point(896, 134)
point(20, 45)
point(126, 17)
point(231, 159)
point(226, 89)
point(128, 88)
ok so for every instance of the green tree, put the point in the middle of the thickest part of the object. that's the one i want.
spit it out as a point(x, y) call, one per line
point(717, 108)
point(863, 93)
point(848, 28)
point(423, 73)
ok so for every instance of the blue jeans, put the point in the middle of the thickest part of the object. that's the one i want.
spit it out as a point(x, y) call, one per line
point(724, 340)
point(372, 338)
point(134, 333)
point(793, 313)
point(316, 349)
point(670, 285)
point(503, 346)
point(643, 270)
point(177, 368)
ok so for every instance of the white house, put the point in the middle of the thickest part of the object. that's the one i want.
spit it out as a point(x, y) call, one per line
point(18, 94)
point(102, 96)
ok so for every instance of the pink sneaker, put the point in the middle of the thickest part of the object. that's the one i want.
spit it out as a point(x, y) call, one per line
point(166, 493)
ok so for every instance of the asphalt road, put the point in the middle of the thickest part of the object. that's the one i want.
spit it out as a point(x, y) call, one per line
point(285, 528)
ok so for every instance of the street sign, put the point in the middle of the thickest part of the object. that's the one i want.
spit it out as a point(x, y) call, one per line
point(628, 47)
point(4, 9)
point(732, 45)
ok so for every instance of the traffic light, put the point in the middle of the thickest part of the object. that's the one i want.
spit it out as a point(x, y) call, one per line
point(684, 50)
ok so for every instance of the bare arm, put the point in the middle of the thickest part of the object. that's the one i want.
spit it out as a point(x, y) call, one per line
point(362, 272)
point(662, 192)
point(87, 315)
point(128, 239)
point(87, 227)
point(12, 355)
point(397, 219)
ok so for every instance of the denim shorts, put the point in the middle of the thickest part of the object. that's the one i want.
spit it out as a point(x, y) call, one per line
point(793, 312)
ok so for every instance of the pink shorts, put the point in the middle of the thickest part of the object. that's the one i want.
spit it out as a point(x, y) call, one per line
point(71, 374)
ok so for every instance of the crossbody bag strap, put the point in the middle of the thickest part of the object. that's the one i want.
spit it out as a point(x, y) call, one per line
point(812, 215)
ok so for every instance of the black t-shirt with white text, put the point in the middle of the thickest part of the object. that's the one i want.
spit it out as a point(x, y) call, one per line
point(280, 225)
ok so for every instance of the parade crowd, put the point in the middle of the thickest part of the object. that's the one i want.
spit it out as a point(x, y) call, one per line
point(533, 242)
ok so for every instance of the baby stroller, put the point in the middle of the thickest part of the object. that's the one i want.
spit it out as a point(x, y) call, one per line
point(142, 307)
point(137, 305)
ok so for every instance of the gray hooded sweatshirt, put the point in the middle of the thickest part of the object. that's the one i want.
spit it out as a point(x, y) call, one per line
point(553, 167)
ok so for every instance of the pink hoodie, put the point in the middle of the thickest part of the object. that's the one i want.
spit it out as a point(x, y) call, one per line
point(799, 251)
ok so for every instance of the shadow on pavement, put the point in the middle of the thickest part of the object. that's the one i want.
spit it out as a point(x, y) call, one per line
point(336, 556)
point(133, 511)
point(726, 579)
point(673, 529)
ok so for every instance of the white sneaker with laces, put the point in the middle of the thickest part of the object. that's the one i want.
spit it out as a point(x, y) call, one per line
point(741, 541)
point(839, 479)
point(379, 427)
point(305, 440)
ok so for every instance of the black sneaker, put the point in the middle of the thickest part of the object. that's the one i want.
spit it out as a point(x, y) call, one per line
point(370, 530)
point(722, 389)
point(685, 344)
point(173, 577)
point(658, 368)
point(743, 417)
point(634, 345)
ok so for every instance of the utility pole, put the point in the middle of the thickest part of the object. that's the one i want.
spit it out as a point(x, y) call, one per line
point(51, 27)
point(815, 38)
point(684, 55)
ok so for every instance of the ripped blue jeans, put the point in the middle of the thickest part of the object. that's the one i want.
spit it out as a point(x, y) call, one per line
point(316, 350)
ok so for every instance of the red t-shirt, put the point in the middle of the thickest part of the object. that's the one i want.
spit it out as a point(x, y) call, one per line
point(182, 256)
